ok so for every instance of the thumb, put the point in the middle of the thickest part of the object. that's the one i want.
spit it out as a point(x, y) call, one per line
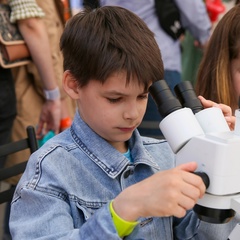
point(189, 167)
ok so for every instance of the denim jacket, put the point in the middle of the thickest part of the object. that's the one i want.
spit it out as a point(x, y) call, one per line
point(69, 182)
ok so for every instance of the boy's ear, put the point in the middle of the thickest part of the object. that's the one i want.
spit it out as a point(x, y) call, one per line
point(70, 85)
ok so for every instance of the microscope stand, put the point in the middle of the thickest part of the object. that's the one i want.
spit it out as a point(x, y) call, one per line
point(235, 233)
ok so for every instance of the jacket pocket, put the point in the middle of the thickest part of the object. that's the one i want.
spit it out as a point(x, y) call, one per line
point(88, 208)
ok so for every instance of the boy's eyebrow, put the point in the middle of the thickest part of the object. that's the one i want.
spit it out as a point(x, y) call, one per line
point(115, 92)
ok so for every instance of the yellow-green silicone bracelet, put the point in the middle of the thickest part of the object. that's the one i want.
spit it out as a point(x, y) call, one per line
point(123, 227)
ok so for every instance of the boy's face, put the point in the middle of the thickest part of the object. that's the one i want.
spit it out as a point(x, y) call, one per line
point(113, 110)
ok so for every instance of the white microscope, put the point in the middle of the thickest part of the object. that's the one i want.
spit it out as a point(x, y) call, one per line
point(203, 136)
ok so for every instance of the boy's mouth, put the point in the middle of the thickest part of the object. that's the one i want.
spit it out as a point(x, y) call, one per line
point(127, 129)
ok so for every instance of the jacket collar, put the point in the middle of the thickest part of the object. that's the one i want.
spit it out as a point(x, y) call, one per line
point(110, 160)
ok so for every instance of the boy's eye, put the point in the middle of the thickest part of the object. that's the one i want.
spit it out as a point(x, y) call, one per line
point(113, 100)
point(144, 96)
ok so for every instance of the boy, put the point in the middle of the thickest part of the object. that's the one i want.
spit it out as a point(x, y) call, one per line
point(100, 179)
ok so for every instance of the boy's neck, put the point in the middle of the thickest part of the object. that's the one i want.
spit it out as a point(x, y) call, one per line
point(122, 147)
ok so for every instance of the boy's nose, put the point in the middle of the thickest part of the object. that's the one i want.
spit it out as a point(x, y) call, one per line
point(131, 111)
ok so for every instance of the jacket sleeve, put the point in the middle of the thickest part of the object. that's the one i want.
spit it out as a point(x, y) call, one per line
point(45, 206)
point(186, 227)
point(51, 224)
point(194, 17)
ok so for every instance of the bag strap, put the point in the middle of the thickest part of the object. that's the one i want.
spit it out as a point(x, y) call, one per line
point(169, 18)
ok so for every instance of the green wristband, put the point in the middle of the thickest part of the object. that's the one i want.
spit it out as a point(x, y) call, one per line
point(123, 227)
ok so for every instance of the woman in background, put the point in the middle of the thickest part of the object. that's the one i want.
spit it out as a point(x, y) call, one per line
point(218, 77)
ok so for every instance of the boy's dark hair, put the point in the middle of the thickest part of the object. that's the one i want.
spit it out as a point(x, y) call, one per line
point(97, 43)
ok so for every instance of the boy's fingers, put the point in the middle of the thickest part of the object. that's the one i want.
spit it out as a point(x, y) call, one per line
point(189, 167)
point(194, 181)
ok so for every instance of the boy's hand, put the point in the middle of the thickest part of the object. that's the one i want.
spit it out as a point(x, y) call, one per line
point(227, 111)
point(166, 193)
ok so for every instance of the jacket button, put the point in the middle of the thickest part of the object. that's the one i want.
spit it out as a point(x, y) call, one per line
point(127, 173)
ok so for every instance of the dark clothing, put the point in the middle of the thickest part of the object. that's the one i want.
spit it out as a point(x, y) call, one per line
point(7, 106)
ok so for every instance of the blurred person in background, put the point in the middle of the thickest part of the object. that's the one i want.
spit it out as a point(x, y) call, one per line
point(218, 77)
point(39, 96)
point(31, 93)
point(7, 107)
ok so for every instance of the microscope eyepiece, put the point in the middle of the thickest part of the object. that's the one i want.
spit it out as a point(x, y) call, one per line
point(163, 97)
point(187, 97)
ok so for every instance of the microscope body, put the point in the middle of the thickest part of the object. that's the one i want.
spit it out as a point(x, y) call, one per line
point(203, 136)
point(217, 155)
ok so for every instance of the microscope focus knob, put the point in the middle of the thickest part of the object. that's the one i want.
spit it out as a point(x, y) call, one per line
point(204, 177)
